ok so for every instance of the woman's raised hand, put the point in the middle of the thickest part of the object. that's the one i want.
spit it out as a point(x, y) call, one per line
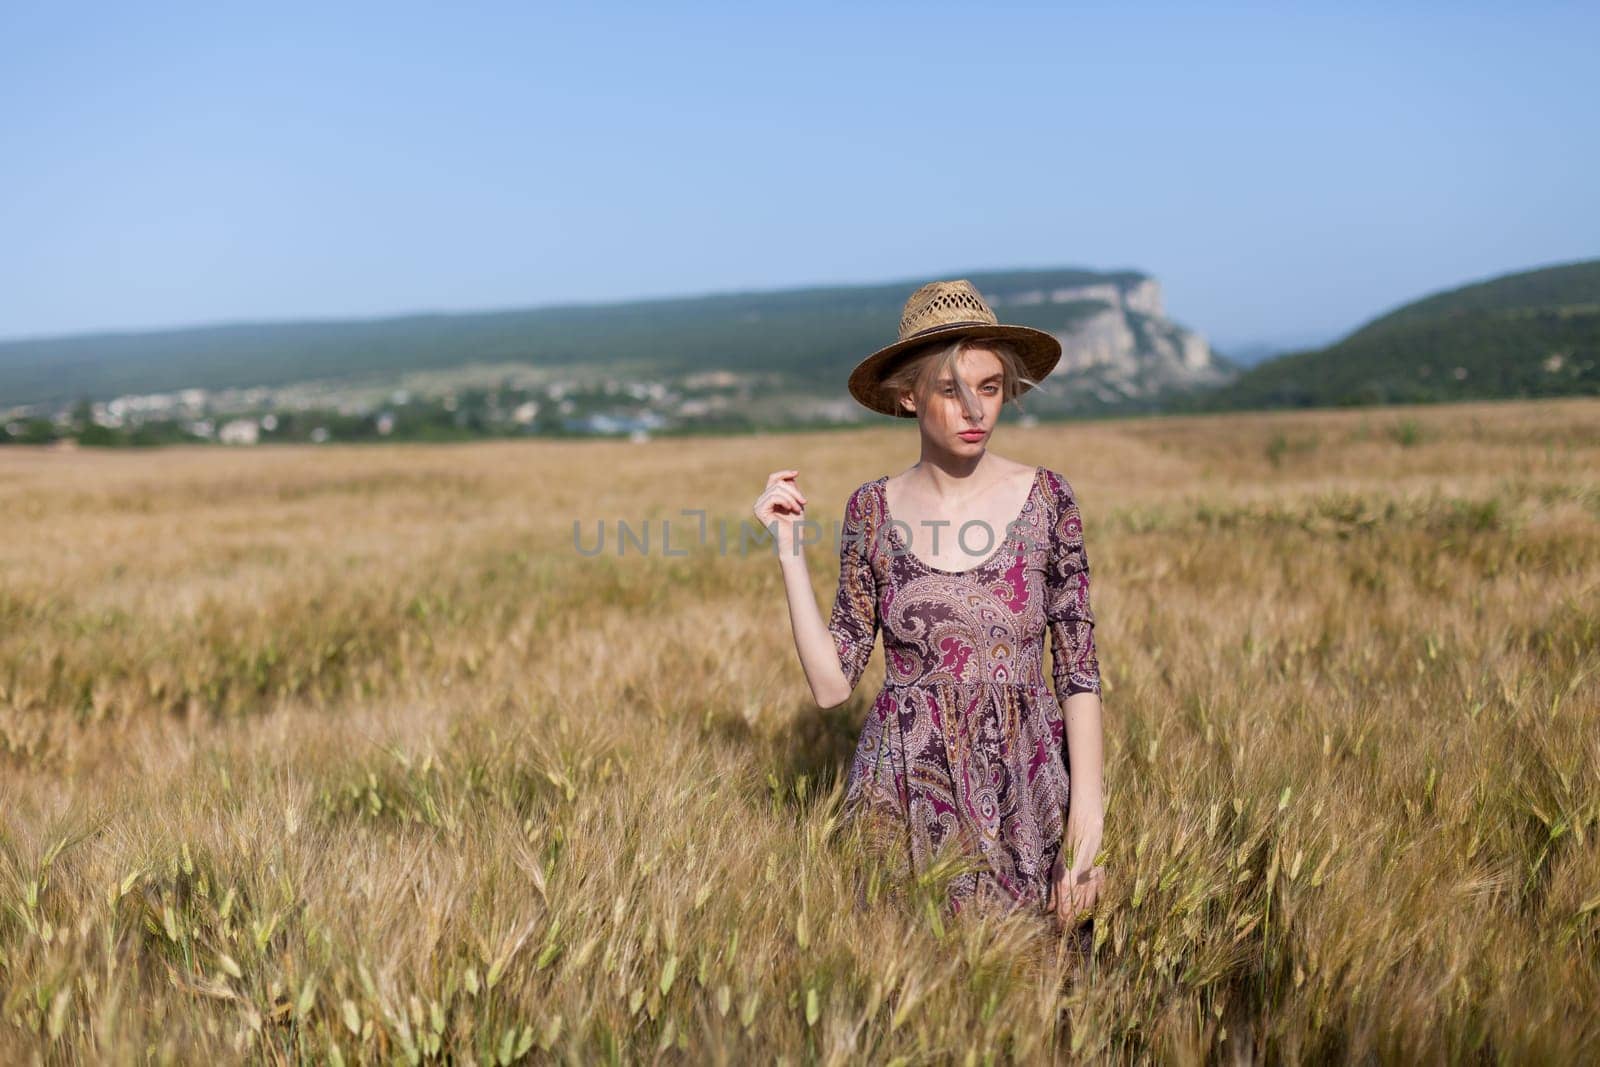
point(782, 503)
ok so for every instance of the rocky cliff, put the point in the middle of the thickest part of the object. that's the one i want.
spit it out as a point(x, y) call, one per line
point(1118, 344)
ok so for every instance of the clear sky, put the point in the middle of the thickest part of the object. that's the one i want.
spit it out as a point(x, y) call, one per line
point(1286, 174)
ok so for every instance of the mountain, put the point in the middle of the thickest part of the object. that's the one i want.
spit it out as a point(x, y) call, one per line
point(1119, 344)
point(1528, 334)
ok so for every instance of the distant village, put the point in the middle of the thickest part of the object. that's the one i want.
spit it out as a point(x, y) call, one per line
point(438, 407)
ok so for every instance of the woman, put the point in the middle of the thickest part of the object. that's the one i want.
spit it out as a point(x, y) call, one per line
point(965, 562)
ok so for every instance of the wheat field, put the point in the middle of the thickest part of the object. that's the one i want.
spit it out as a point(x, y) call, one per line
point(349, 755)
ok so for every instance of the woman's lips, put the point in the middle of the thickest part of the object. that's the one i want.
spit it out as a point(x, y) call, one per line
point(972, 435)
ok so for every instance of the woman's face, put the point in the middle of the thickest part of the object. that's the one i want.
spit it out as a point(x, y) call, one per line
point(946, 423)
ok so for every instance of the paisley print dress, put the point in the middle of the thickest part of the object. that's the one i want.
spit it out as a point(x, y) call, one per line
point(963, 747)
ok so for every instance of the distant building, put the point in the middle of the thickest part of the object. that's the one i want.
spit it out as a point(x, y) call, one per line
point(711, 379)
point(239, 432)
point(616, 424)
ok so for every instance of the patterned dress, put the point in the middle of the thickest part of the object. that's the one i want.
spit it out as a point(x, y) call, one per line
point(963, 747)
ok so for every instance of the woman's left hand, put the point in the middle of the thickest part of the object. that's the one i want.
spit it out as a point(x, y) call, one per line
point(1075, 887)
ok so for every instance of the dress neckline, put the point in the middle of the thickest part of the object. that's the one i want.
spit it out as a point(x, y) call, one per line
point(1011, 531)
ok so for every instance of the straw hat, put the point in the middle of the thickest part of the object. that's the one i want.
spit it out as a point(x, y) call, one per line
point(939, 312)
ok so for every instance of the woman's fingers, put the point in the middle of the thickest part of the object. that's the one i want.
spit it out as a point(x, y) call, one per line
point(785, 480)
point(1086, 889)
point(789, 497)
point(780, 501)
point(780, 491)
point(1070, 893)
point(777, 477)
point(1082, 893)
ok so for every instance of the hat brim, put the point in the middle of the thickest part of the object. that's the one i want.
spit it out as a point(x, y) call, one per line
point(1040, 353)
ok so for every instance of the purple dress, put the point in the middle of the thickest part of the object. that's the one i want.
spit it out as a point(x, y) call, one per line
point(963, 748)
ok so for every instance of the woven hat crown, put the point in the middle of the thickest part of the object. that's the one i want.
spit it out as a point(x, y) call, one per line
point(944, 304)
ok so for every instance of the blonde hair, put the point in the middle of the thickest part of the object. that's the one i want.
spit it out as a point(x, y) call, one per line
point(921, 372)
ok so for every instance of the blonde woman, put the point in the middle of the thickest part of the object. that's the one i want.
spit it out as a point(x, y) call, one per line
point(964, 562)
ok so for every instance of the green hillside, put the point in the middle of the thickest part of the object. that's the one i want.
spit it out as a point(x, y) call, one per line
point(1535, 333)
point(808, 335)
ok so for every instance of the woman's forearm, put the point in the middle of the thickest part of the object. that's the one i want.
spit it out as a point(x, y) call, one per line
point(819, 656)
point(1084, 744)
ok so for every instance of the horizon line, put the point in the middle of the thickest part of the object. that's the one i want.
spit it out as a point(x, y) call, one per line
point(102, 333)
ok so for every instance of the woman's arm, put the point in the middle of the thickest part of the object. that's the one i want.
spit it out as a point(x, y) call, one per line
point(819, 656)
point(1086, 801)
point(1074, 661)
point(833, 654)
point(1075, 669)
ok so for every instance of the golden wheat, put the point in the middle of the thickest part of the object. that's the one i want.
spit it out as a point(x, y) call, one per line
point(347, 755)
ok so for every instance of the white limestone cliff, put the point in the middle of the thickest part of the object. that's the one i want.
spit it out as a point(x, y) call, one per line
point(1127, 347)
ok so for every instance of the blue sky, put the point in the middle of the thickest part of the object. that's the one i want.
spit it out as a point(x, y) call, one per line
point(1285, 173)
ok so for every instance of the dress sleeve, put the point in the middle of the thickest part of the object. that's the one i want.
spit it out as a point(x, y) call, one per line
point(854, 623)
point(1074, 665)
